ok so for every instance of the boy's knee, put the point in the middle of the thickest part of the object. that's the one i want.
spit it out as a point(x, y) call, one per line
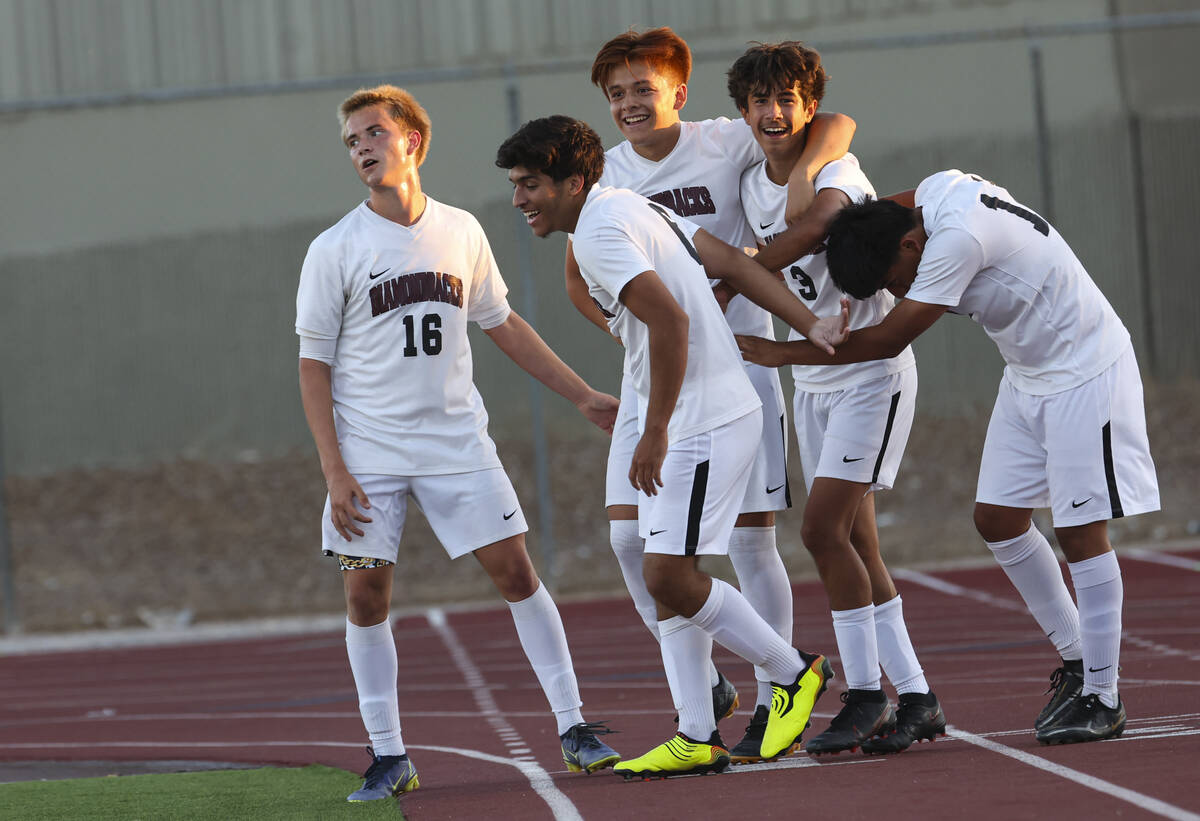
point(366, 606)
point(516, 580)
point(998, 524)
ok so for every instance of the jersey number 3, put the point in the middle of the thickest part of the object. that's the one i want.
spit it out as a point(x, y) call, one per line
point(804, 283)
point(431, 334)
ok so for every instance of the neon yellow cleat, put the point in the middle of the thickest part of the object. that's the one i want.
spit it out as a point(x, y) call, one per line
point(680, 755)
point(792, 704)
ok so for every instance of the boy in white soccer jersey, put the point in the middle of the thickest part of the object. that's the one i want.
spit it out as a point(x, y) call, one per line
point(693, 169)
point(699, 418)
point(385, 378)
point(852, 421)
point(1068, 429)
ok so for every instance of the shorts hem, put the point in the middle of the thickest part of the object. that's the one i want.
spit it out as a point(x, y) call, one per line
point(333, 553)
point(458, 551)
point(1020, 504)
point(1125, 513)
point(674, 550)
point(764, 509)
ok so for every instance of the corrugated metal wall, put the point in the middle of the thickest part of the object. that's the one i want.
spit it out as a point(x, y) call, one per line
point(60, 49)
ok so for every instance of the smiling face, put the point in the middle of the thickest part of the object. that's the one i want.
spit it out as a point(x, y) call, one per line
point(383, 151)
point(548, 206)
point(644, 103)
point(779, 118)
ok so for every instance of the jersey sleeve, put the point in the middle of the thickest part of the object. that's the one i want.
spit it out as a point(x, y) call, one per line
point(322, 350)
point(321, 294)
point(610, 257)
point(487, 304)
point(951, 259)
point(846, 176)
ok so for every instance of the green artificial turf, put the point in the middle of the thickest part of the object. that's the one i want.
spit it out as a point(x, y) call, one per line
point(314, 792)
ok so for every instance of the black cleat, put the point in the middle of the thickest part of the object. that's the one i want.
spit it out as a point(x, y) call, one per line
point(1065, 683)
point(725, 697)
point(918, 718)
point(866, 713)
point(748, 749)
point(1084, 718)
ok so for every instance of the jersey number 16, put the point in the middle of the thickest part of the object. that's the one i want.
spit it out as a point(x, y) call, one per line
point(431, 334)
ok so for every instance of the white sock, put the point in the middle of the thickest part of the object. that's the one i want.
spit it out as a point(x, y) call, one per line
point(372, 652)
point(629, 548)
point(685, 650)
point(732, 622)
point(855, 632)
point(765, 584)
point(1031, 566)
point(1100, 592)
point(896, 654)
point(542, 637)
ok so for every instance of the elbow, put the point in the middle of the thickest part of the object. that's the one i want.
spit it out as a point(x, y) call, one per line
point(847, 124)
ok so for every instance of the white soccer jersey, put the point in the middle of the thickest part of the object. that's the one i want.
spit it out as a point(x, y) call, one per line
point(620, 235)
point(699, 181)
point(397, 299)
point(764, 203)
point(997, 261)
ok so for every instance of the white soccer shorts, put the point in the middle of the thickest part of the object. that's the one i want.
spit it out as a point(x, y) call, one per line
point(1083, 453)
point(704, 481)
point(467, 511)
point(767, 489)
point(857, 433)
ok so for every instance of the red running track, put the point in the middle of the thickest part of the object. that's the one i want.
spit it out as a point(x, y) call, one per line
point(477, 726)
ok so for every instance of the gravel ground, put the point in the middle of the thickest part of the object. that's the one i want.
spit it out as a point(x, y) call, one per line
point(195, 541)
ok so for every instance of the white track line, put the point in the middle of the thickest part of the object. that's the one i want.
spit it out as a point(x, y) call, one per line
point(952, 589)
point(1138, 799)
point(522, 757)
point(943, 586)
point(1153, 805)
point(542, 784)
point(1162, 558)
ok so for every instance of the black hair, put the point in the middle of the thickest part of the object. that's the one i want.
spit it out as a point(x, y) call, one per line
point(864, 242)
point(556, 146)
point(776, 67)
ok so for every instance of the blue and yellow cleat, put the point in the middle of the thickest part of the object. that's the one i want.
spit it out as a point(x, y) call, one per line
point(388, 775)
point(583, 752)
point(792, 704)
point(680, 755)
